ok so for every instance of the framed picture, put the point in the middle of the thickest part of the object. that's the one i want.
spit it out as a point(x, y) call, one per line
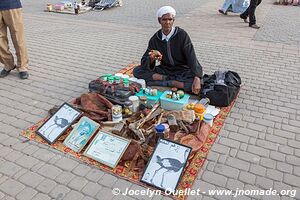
point(107, 148)
point(58, 123)
point(81, 134)
point(166, 165)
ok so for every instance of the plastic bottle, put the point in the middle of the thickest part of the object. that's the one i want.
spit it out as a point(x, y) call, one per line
point(160, 131)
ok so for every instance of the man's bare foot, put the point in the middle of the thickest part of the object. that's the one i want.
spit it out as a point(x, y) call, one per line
point(177, 84)
point(157, 77)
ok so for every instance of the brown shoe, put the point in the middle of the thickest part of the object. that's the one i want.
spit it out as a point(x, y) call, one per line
point(254, 26)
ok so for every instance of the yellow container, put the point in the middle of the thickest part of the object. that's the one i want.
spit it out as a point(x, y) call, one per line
point(199, 111)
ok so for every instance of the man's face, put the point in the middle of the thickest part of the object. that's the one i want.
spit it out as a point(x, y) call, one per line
point(166, 22)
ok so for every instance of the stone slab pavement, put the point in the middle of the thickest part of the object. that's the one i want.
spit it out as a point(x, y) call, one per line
point(258, 148)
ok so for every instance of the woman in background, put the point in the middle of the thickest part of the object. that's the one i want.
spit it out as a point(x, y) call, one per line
point(235, 6)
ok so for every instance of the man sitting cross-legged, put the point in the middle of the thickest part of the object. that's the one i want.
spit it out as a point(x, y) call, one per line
point(170, 58)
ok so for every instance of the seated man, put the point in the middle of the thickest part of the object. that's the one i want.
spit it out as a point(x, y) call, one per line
point(170, 59)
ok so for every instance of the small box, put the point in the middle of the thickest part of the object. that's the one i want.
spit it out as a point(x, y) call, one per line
point(151, 100)
point(170, 104)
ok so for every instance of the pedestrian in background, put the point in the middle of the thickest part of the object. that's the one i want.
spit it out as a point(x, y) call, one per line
point(11, 19)
point(251, 13)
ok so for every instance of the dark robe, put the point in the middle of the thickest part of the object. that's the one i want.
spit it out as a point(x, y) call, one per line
point(179, 60)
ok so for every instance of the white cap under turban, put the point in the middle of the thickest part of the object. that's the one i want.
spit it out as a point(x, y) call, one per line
point(165, 10)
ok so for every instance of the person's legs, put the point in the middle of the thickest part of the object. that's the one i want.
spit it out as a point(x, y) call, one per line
point(6, 57)
point(14, 20)
point(252, 6)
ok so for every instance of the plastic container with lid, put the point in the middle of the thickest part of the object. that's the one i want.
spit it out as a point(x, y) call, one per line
point(199, 110)
point(111, 79)
point(117, 79)
point(208, 118)
point(160, 130)
point(135, 103)
point(105, 77)
point(125, 82)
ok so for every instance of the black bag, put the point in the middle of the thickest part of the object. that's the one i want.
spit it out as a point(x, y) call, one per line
point(221, 88)
point(115, 92)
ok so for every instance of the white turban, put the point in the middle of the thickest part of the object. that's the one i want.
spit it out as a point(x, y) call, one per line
point(165, 10)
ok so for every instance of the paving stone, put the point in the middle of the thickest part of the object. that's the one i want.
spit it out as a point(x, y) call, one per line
point(11, 187)
point(94, 175)
point(66, 164)
point(247, 177)
point(13, 156)
point(291, 180)
point(266, 162)
point(59, 192)
point(107, 180)
point(264, 183)
point(73, 195)
point(277, 156)
point(258, 170)
point(214, 178)
point(77, 183)
point(230, 143)
point(27, 161)
point(239, 137)
point(26, 194)
point(267, 145)
point(81, 170)
point(46, 186)
point(226, 171)
point(234, 185)
point(43, 154)
point(9, 168)
point(41, 196)
point(49, 171)
point(248, 157)
point(294, 160)
point(274, 174)
point(31, 179)
point(220, 149)
point(286, 150)
point(284, 167)
point(239, 164)
point(92, 189)
point(105, 192)
point(122, 185)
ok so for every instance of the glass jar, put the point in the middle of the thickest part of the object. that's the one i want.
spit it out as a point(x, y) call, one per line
point(135, 103)
point(128, 108)
point(116, 113)
point(204, 101)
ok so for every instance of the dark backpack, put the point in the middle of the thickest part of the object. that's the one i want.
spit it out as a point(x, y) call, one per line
point(221, 88)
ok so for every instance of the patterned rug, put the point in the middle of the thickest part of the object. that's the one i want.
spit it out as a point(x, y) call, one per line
point(191, 171)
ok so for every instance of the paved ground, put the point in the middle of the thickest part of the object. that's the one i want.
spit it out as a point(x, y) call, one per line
point(259, 147)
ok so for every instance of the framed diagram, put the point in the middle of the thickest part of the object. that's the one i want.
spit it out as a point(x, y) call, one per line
point(107, 148)
point(81, 134)
point(58, 123)
point(166, 165)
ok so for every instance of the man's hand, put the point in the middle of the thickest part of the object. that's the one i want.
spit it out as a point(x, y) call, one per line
point(155, 55)
point(196, 87)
